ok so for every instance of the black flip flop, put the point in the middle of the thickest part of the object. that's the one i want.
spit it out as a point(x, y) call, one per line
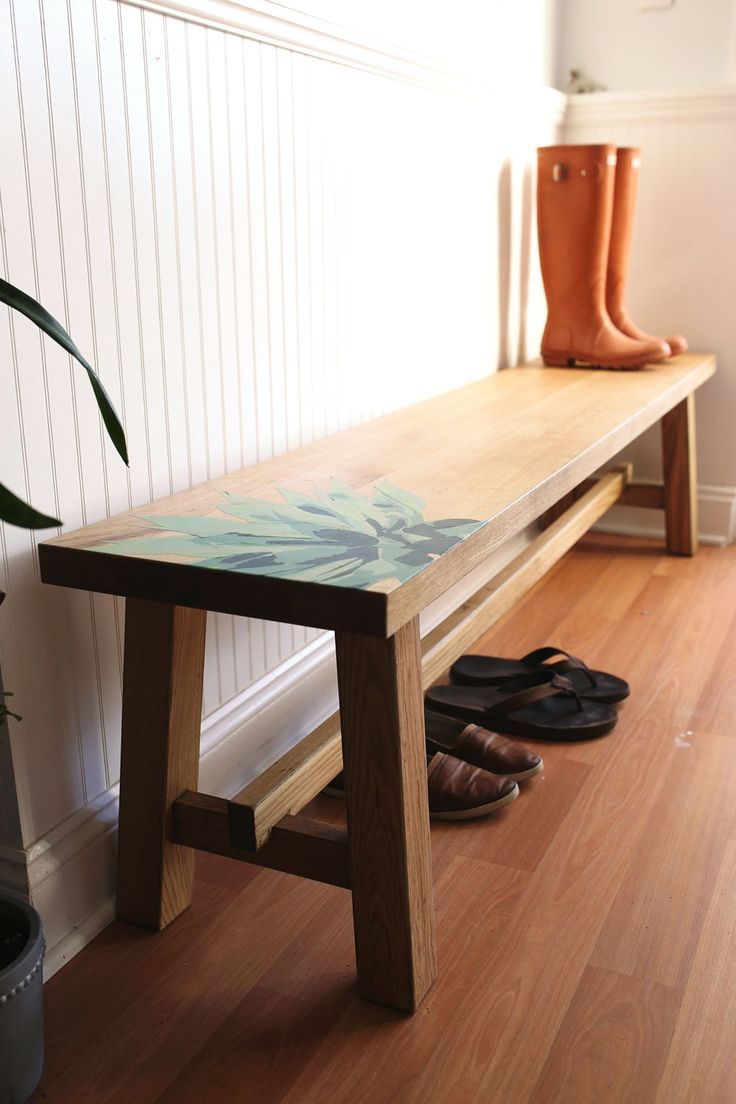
point(549, 710)
point(478, 670)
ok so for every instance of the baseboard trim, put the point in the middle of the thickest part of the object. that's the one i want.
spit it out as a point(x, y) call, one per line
point(716, 518)
point(650, 532)
point(251, 731)
point(14, 869)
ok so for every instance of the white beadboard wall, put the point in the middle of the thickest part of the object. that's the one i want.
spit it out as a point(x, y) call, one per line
point(256, 246)
point(683, 276)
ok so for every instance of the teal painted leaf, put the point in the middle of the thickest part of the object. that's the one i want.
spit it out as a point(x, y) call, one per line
point(400, 502)
point(335, 536)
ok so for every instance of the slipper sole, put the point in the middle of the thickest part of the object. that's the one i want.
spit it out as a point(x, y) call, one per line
point(479, 810)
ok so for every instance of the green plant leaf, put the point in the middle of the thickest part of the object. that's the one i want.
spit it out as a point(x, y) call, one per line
point(23, 303)
point(4, 711)
point(17, 512)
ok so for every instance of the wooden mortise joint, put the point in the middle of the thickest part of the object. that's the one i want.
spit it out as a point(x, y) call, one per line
point(296, 845)
point(305, 769)
point(650, 496)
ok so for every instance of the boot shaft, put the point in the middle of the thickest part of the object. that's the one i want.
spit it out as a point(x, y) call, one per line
point(626, 189)
point(575, 211)
point(575, 190)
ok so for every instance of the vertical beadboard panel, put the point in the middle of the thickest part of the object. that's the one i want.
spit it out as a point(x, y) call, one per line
point(255, 247)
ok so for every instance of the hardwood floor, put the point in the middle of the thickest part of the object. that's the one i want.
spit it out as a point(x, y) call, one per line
point(586, 942)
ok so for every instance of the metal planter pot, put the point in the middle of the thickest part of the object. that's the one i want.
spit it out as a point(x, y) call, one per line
point(21, 999)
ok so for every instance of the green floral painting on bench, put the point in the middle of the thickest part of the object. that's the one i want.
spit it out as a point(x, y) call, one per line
point(334, 536)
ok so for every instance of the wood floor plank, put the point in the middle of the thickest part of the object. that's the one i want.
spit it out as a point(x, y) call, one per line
point(537, 616)
point(521, 988)
point(253, 1055)
point(652, 928)
point(716, 707)
point(700, 1067)
point(656, 649)
point(612, 1043)
point(521, 838)
point(146, 1021)
point(476, 901)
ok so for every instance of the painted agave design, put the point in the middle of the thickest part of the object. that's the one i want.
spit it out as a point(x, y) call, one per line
point(335, 536)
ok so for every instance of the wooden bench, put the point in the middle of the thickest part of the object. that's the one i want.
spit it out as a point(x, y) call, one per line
point(358, 533)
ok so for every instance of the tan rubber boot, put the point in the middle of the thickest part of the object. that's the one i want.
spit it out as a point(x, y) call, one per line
point(628, 161)
point(574, 208)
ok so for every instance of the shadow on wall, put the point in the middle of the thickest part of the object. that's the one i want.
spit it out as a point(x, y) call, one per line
point(504, 262)
point(513, 352)
point(525, 260)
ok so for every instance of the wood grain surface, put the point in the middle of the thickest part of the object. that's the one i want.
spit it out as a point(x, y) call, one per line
point(679, 462)
point(162, 711)
point(297, 845)
point(385, 770)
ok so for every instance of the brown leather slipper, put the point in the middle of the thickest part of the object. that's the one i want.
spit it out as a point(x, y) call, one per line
point(456, 790)
point(550, 710)
point(480, 747)
point(478, 670)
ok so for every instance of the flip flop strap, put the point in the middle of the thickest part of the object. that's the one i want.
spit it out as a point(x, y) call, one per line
point(569, 663)
point(557, 685)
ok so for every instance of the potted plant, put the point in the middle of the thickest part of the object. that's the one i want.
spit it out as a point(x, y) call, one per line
point(21, 935)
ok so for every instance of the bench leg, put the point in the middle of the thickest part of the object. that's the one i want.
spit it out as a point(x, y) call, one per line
point(162, 705)
point(680, 478)
point(382, 722)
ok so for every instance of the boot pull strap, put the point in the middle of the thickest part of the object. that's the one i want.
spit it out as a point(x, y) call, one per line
point(561, 170)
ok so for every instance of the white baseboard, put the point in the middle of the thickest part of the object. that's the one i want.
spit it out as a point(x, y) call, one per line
point(13, 869)
point(716, 518)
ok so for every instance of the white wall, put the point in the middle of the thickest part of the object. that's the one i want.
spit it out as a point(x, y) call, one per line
point(261, 232)
point(682, 274)
point(691, 43)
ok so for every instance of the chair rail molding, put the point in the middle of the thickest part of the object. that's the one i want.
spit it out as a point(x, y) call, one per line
point(671, 105)
point(299, 31)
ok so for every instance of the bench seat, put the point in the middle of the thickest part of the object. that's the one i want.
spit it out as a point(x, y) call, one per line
point(497, 453)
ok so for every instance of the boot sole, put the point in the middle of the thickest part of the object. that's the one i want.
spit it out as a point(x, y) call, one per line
point(582, 362)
